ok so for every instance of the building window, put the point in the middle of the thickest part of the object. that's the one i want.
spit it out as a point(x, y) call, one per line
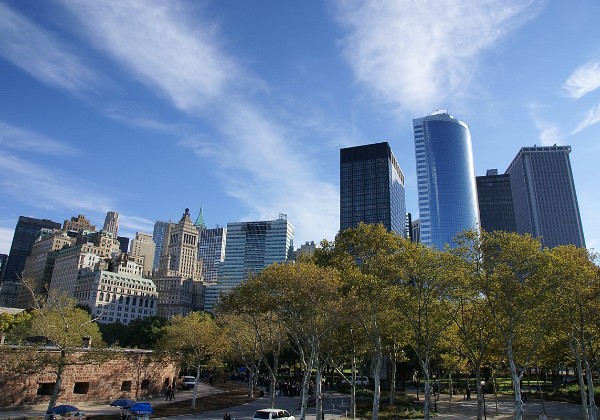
point(145, 384)
point(81, 388)
point(45, 388)
point(126, 386)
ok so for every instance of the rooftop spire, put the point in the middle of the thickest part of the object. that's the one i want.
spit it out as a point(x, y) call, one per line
point(200, 220)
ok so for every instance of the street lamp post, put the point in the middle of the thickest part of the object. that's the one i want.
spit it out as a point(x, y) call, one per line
point(483, 396)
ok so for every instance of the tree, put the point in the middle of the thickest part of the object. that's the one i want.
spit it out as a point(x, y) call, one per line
point(427, 280)
point(250, 302)
point(61, 327)
point(306, 299)
point(577, 294)
point(514, 282)
point(194, 339)
point(364, 256)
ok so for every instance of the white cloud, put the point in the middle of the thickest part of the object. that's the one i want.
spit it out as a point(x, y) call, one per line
point(417, 54)
point(6, 237)
point(40, 53)
point(135, 224)
point(584, 80)
point(39, 187)
point(15, 138)
point(590, 118)
point(186, 63)
point(549, 132)
point(161, 46)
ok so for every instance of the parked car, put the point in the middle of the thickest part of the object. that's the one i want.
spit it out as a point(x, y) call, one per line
point(360, 380)
point(272, 414)
point(188, 382)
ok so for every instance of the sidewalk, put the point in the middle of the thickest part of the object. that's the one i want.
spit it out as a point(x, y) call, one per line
point(91, 408)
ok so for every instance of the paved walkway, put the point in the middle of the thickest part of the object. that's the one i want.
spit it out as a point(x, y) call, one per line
point(336, 406)
point(95, 408)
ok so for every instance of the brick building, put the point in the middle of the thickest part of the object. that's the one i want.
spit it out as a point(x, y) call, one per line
point(123, 373)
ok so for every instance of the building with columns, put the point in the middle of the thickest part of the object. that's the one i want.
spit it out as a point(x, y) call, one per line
point(179, 276)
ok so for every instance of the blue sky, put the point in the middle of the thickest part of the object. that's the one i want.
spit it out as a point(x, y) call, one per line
point(149, 107)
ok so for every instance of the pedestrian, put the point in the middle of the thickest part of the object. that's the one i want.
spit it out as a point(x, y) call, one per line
point(543, 416)
point(468, 394)
point(168, 393)
point(227, 416)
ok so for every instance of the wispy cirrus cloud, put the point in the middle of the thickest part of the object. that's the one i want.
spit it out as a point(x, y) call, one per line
point(16, 138)
point(42, 188)
point(583, 80)
point(590, 118)
point(40, 53)
point(549, 132)
point(135, 224)
point(185, 62)
point(159, 44)
point(417, 54)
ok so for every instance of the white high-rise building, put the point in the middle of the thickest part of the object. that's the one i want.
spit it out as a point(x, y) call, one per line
point(144, 246)
point(250, 248)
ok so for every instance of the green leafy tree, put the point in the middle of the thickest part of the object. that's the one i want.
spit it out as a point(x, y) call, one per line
point(578, 294)
point(194, 340)
point(515, 281)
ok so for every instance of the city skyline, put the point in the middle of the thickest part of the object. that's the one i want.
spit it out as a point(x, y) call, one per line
point(241, 108)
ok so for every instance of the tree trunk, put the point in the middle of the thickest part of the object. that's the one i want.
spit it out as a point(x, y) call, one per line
point(307, 365)
point(353, 385)
point(319, 392)
point(62, 361)
point(427, 392)
point(195, 395)
point(393, 376)
point(516, 379)
point(376, 379)
point(480, 396)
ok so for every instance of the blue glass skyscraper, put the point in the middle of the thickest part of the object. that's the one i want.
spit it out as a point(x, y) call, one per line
point(445, 178)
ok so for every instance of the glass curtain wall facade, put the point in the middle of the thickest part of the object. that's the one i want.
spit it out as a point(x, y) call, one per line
point(445, 178)
point(372, 188)
point(544, 196)
point(496, 210)
point(250, 248)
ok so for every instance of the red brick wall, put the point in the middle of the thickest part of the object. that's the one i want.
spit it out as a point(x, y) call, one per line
point(105, 380)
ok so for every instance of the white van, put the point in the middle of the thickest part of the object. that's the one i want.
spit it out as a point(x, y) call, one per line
point(188, 382)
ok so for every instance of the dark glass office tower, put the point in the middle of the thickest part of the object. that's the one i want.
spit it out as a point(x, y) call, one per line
point(544, 196)
point(371, 188)
point(26, 231)
point(445, 178)
point(495, 202)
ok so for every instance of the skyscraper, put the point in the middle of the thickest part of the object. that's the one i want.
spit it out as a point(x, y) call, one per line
point(111, 223)
point(26, 232)
point(158, 236)
point(544, 195)
point(445, 178)
point(211, 250)
point(178, 278)
point(251, 247)
point(143, 246)
point(494, 194)
point(371, 188)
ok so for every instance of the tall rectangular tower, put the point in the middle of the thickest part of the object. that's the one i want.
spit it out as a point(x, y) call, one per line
point(495, 202)
point(211, 250)
point(544, 195)
point(144, 246)
point(26, 232)
point(371, 188)
point(445, 178)
point(158, 236)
